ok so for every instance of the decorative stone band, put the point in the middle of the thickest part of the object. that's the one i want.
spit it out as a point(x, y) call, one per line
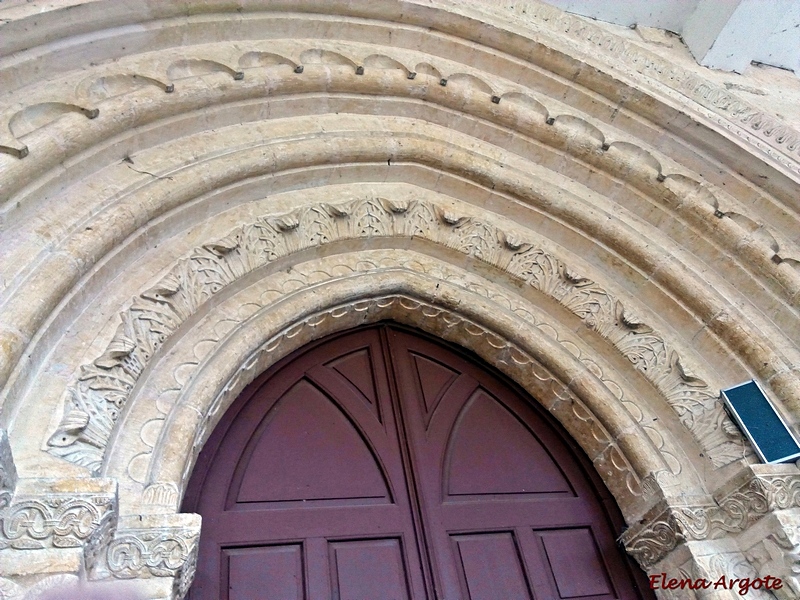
point(83, 513)
point(552, 29)
point(103, 387)
point(8, 473)
point(767, 132)
point(664, 527)
point(148, 546)
point(57, 513)
point(756, 492)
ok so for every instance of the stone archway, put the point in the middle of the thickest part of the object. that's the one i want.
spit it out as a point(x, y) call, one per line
point(189, 197)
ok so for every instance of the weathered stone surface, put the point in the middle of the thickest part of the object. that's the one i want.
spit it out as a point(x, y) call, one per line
point(8, 472)
point(184, 201)
point(148, 546)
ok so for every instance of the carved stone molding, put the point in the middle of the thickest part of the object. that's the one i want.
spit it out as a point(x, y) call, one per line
point(764, 489)
point(8, 472)
point(96, 399)
point(57, 513)
point(609, 456)
point(756, 493)
point(63, 514)
point(688, 198)
point(766, 132)
point(664, 527)
point(146, 546)
point(173, 380)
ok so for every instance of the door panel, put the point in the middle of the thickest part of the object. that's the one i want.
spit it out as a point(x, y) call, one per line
point(566, 548)
point(358, 369)
point(511, 460)
point(264, 572)
point(433, 380)
point(381, 465)
point(308, 450)
point(491, 566)
point(368, 570)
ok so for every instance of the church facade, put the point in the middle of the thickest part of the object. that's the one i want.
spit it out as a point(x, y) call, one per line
point(190, 193)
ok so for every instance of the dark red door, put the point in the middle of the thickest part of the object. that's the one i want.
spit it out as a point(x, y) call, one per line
point(381, 465)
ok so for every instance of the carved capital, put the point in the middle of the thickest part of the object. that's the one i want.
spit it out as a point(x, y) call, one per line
point(665, 526)
point(57, 513)
point(149, 546)
point(758, 491)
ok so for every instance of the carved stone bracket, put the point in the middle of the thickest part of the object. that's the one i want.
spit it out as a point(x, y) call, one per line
point(57, 513)
point(103, 387)
point(8, 473)
point(149, 546)
point(756, 492)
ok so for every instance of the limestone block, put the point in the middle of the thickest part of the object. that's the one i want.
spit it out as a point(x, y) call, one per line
point(56, 513)
point(148, 546)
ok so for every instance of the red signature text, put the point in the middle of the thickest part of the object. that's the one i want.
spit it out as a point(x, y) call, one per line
point(742, 586)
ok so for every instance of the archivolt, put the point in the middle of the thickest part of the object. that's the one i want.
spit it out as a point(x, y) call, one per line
point(618, 250)
point(442, 151)
point(104, 386)
point(271, 315)
point(675, 196)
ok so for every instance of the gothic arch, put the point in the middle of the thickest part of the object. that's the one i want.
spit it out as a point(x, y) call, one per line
point(188, 197)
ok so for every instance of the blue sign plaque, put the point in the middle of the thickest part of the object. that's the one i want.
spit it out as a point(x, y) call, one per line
point(767, 431)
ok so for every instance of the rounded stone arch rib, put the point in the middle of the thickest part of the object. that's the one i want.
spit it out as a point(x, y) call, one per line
point(601, 434)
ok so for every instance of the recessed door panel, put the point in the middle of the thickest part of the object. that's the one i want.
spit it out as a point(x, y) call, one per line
point(434, 380)
point(491, 566)
point(368, 570)
point(309, 450)
point(576, 563)
point(265, 572)
point(510, 461)
point(358, 369)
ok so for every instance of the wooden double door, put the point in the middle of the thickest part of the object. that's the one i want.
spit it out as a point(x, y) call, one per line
point(383, 465)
